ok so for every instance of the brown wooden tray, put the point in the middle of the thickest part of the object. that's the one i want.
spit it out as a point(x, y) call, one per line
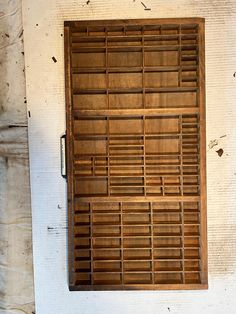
point(135, 99)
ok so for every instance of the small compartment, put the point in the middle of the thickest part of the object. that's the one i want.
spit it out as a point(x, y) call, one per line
point(91, 126)
point(96, 31)
point(82, 266)
point(126, 101)
point(166, 207)
point(191, 254)
point(106, 219)
point(191, 230)
point(136, 230)
point(88, 59)
point(82, 243)
point(191, 265)
point(126, 182)
point(162, 145)
point(129, 219)
point(106, 243)
point(82, 279)
point(167, 218)
point(172, 190)
point(89, 81)
point(82, 231)
point(106, 231)
point(136, 254)
point(136, 207)
point(124, 59)
point(167, 253)
point(154, 190)
point(107, 207)
point(191, 218)
point(167, 242)
point(106, 266)
point(141, 278)
point(162, 170)
point(167, 230)
point(158, 58)
point(126, 150)
point(166, 266)
point(137, 242)
point(82, 219)
point(160, 125)
point(168, 278)
point(191, 242)
point(160, 79)
point(126, 191)
point(82, 254)
point(191, 278)
point(125, 80)
point(106, 279)
point(81, 208)
point(152, 30)
point(106, 254)
point(90, 101)
point(91, 186)
point(171, 100)
point(191, 207)
point(90, 147)
point(137, 266)
point(193, 190)
point(126, 125)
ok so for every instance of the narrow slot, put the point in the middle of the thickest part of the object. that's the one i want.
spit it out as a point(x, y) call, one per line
point(163, 253)
point(105, 207)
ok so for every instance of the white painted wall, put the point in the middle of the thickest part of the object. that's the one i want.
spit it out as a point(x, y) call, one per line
point(43, 26)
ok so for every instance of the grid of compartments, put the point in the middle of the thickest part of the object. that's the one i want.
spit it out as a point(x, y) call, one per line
point(141, 155)
point(136, 160)
point(135, 66)
point(126, 243)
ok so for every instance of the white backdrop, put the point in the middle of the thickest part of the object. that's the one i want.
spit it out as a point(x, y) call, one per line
point(43, 35)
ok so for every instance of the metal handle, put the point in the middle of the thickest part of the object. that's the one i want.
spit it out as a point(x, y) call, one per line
point(63, 156)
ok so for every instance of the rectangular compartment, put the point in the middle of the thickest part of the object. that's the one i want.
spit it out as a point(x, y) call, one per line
point(91, 186)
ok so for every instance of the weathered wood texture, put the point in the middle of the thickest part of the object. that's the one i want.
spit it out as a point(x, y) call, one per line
point(16, 271)
point(136, 181)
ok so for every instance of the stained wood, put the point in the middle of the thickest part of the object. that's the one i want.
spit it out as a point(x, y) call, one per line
point(135, 95)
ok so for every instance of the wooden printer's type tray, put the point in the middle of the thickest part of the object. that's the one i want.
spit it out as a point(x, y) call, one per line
point(135, 99)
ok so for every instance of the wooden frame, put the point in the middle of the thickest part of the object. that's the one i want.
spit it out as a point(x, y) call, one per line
point(136, 156)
